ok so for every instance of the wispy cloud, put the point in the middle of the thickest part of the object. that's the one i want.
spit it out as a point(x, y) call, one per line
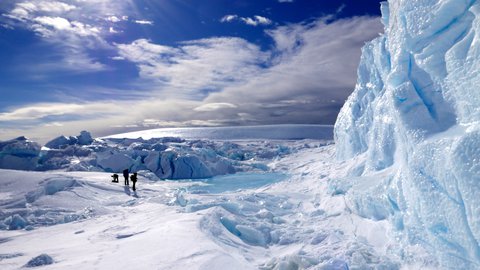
point(71, 28)
point(116, 19)
point(229, 18)
point(39, 111)
point(23, 11)
point(312, 74)
point(255, 21)
point(210, 107)
point(143, 22)
point(195, 68)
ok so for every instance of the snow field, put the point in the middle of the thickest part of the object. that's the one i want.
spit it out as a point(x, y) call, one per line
point(287, 219)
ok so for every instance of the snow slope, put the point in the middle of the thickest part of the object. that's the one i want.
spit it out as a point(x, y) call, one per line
point(413, 126)
point(294, 217)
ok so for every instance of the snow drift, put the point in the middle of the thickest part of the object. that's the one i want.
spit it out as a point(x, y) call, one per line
point(413, 124)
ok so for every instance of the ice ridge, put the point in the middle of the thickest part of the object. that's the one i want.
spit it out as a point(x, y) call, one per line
point(413, 121)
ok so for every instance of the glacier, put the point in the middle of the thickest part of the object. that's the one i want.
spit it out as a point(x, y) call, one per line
point(412, 125)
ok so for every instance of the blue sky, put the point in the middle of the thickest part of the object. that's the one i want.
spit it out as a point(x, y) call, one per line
point(111, 66)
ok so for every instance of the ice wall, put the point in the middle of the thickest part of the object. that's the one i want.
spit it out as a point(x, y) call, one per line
point(414, 120)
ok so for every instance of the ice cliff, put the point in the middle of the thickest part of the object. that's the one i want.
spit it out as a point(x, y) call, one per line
point(413, 126)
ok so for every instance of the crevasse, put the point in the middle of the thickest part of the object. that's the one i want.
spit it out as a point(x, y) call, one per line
point(415, 114)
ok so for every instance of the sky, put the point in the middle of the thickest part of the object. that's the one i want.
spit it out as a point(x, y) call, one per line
point(112, 66)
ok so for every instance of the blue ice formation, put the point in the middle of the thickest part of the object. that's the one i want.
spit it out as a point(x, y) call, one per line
point(19, 154)
point(85, 138)
point(167, 158)
point(414, 120)
point(40, 260)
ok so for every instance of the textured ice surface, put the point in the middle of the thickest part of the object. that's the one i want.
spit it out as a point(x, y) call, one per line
point(289, 218)
point(235, 182)
point(85, 138)
point(166, 157)
point(40, 260)
point(413, 124)
point(19, 154)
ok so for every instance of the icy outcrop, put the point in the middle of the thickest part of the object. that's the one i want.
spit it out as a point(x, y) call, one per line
point(19, 154)
point(60, 141)
point(85, 138)
point(414, 120)
point(40, 260)
point(170, 165)
point(112, 161)
point(166, 158)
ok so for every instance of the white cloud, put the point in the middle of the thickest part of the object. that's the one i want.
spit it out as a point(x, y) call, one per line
point(118, 58)
point(228, 18)
point(143, 22)
point(262, 20)
point(255, 21)
point(39, 111)
point(27, 10)
point(210, 107)
point(314, 65)
point(113, 19)
point(72, 28)
point(55, 22)
point(53, 6)
point(113, 30)
point(197, 67)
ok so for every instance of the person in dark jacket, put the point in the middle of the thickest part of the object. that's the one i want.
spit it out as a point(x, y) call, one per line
point(134, 180)
point(115, 178)
point(125, 175)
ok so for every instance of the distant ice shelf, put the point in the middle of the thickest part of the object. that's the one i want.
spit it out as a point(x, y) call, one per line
point(265, 132)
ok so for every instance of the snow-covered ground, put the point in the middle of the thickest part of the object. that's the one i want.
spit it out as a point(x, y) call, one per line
point(292, 217)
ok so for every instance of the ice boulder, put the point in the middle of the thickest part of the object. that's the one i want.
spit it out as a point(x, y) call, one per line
point(173, 166)
point(19, 154)
point(112, 161)
point(187, 164)
point(85, 138)
point(15, 222)
point(61, 142)
point(414, 120)
point(40, 260)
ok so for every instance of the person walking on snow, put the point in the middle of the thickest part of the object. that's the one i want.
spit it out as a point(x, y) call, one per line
point(134, 180)
point(125, 175)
